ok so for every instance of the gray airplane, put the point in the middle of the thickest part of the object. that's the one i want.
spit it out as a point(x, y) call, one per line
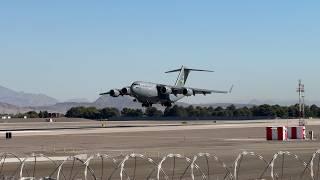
point(149, 93)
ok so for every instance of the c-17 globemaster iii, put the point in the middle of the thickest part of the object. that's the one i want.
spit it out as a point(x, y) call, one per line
point(149, 93)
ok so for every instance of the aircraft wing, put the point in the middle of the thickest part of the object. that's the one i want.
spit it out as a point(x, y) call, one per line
point(179, 90)
point(105, 93)
point(118, 92)
point(206, 91)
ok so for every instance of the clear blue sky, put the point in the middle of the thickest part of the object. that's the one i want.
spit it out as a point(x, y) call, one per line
point(76, 49)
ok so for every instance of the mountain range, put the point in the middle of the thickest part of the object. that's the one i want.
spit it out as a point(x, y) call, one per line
point(12, 102)
point(22, 99)
point(12, 109)
point(103, 101)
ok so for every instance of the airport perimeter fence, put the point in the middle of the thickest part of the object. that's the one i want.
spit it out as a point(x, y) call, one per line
point(202, 166)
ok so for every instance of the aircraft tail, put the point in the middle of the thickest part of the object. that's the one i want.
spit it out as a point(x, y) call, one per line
point(183, 74)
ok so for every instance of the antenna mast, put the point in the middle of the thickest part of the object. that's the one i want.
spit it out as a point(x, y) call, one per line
point(301, 92)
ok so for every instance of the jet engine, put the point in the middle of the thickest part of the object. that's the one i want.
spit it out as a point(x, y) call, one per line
point(126, 91)
point(114, 93)
point(187, 92)
point(166, 90)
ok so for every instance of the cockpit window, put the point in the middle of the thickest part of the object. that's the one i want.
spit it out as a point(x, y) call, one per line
point(135, 84)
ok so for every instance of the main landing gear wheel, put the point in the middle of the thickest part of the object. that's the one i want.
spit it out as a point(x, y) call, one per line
point(167, 104)
point(146, 105)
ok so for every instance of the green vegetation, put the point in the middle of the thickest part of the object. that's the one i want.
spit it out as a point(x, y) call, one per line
point(153, 112)
point(34, 114)
point(270, 111)
point(44, 114)
point(92, 113)
point(273, 111)
point(106, 113)
point(126, 112)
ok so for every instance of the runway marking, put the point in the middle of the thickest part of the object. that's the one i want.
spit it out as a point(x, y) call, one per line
point(245, 139)
point(186, 138)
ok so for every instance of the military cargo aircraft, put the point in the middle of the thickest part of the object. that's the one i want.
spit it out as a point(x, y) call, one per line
point(149, 93)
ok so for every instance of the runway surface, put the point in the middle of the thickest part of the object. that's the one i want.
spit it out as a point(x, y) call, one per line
point(98, 127)
point(84, 136)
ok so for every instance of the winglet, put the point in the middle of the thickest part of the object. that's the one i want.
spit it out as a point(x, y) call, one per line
point(230, 91)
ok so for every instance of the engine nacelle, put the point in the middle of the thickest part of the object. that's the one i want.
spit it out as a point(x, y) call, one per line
point(125, 91)
point(165, 90)
point(114, 93)
point(187, 92)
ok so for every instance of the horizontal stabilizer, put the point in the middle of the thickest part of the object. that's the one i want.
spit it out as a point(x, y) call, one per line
point(177, 70)
point(183, 75)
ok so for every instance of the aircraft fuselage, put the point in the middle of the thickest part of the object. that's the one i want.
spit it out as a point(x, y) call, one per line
point(149, 93)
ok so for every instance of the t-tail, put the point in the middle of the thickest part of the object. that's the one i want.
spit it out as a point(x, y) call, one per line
point(183, 75)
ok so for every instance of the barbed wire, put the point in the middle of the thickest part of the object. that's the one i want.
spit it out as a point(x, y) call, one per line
point(134, 166)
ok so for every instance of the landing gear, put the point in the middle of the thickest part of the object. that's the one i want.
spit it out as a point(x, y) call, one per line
point(167, 104)
point(147, 105)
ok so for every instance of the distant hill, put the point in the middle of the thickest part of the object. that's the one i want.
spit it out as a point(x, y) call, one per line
point(12, 109)
point(102, 102)
point(78, 100)
point(22, 99)
point(119, 102)
point(60, 107)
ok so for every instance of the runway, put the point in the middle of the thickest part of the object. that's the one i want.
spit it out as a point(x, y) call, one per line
point(144, 136)
point(98, 127)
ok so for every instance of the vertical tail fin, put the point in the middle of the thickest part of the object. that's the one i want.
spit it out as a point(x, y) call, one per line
point(183, 75)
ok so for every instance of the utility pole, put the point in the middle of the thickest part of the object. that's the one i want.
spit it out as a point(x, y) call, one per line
point(301, 92)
